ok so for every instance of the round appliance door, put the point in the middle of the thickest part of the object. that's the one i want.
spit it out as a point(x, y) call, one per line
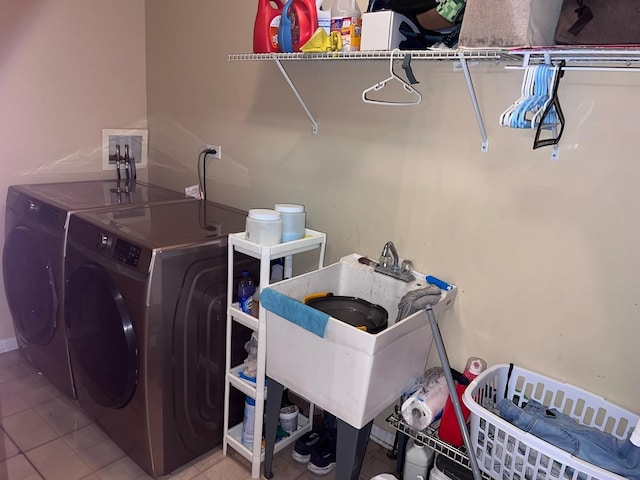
point(30, 286)
point(102, 342)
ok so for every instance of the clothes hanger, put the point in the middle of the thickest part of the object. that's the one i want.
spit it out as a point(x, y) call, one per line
point(550, 117)
point(536, 101)
point(380, 85)
point(517, 113)
point(525, 91)
point(554, 103)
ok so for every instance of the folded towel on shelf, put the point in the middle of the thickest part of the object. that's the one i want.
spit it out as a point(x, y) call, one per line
point(418, 299)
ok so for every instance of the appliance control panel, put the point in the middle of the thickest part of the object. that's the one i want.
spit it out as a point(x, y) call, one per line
point(126, 252)
point(107, 248)
point(36, 210)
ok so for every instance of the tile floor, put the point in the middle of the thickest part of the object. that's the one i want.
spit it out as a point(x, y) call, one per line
point(45, 436)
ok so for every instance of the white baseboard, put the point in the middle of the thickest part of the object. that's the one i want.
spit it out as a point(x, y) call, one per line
point(8, 344)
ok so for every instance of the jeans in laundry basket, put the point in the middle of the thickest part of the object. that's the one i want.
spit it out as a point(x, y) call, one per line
point(587, 443)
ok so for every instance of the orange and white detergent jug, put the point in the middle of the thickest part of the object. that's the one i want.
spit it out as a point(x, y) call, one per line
point(265, 28)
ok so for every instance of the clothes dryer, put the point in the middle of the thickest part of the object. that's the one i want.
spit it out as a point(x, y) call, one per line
point(146, 322)
point(35, 232)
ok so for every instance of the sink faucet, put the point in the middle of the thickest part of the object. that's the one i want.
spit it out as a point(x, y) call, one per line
point(384, 256)
point(390, 264)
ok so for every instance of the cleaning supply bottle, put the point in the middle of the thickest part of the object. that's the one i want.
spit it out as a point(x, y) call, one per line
point(346, 18)
point(449, 429)
point(277, 271)
point(246, 289)
point(265, 28)
point(248, 422)
point(298, 23)
point(417, 460)
point(324, 17)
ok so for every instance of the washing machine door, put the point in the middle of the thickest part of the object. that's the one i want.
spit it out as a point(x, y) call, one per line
point(102, 341)
point(30, 286)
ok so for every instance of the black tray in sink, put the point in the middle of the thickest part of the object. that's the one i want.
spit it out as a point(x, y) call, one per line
point(355, 311)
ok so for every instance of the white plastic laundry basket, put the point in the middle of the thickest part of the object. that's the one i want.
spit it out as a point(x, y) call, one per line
point(505, 451)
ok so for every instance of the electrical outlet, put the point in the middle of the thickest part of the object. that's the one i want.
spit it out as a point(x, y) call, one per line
point(193, 191)
point(217, 150)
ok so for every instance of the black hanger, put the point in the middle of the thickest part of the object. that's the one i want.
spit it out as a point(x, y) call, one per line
point(553, 103)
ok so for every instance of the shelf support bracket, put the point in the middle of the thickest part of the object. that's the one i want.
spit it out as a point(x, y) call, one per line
point(474, 101)
point(314, 124)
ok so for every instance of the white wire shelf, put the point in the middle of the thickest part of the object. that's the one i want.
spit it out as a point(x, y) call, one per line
point(607, 54)
point(436, 54)
point(599, 59)
point(619, 56)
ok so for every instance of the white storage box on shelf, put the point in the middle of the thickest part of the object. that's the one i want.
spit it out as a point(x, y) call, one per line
point(351, 373)
point(381, 30)
point(505, 451)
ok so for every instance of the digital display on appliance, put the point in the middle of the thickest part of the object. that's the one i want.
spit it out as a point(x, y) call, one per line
point(127, 253)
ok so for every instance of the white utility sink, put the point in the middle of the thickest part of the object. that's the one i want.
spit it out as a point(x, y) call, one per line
point(351, 373)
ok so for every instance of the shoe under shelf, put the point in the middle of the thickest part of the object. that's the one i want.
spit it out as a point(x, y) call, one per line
point(234, 439)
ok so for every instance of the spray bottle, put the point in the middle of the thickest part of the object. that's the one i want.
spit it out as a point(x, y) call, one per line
point(265, 28)
point(346, 18)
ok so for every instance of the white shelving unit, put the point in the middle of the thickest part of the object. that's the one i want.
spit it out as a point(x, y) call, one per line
point(232, 434)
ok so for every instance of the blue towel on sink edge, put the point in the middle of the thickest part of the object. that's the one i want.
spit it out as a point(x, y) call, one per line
point(296, 312)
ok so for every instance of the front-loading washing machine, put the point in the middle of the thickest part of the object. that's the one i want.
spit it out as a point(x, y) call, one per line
point(35, 231)
point(146, 321)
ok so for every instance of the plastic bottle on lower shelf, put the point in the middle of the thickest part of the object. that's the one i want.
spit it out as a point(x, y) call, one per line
point(417, 460)
point(449, 430)
point(248, 422)
point(246, 289)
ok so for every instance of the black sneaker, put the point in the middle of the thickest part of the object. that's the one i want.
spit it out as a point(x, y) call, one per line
point(304, 445)
point(323, 455)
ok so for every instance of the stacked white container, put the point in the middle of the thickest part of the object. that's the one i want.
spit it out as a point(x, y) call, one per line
point(293, 228)
point(264, 226)
point(293, 221)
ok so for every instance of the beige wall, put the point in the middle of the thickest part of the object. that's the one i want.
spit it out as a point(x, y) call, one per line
point(545, 253)
point(68, 69)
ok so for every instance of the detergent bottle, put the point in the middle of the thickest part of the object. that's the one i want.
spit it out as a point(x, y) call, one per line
point(449, 429)
point(417, 460)
point(324, 17)
point(298, 23)
point(346, 18)
point(265, 28)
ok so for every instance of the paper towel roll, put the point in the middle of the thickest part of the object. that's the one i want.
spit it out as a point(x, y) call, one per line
point(421, 408)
